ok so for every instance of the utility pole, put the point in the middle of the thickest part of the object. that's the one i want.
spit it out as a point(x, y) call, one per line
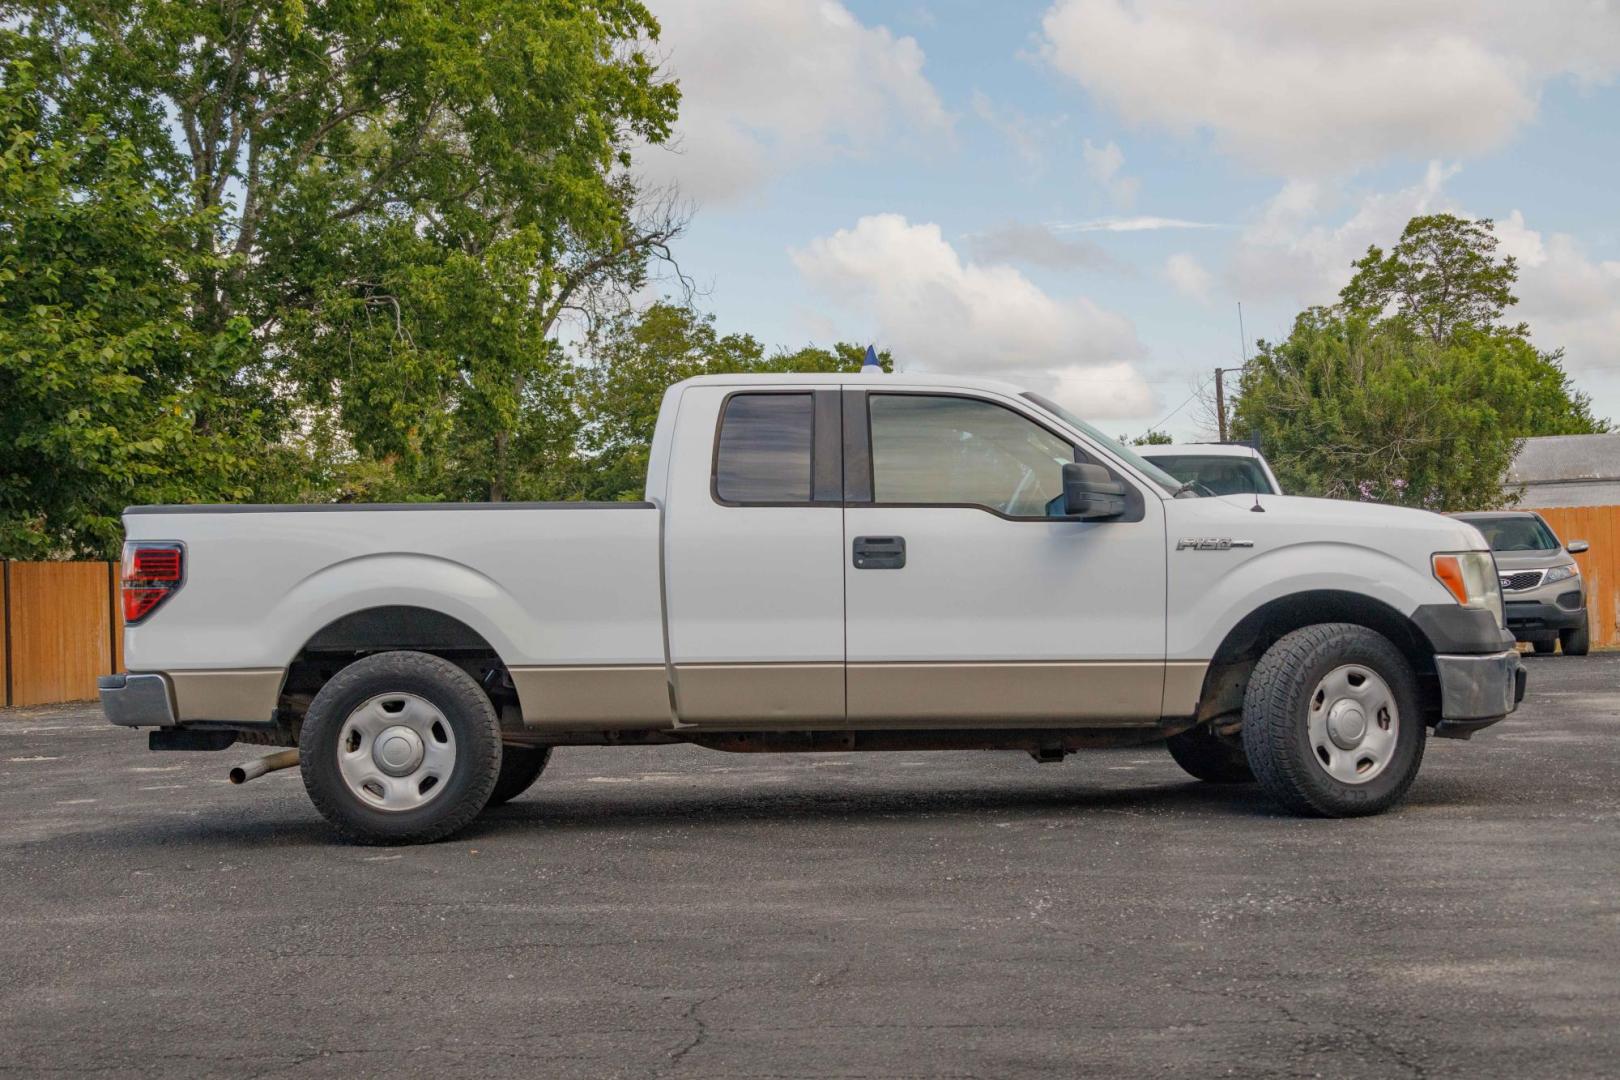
point(1220, 402)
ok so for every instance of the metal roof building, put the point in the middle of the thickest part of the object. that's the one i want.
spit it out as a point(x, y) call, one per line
point(1567, 470)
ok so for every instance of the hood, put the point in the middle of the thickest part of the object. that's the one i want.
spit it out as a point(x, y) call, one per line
point(1531, 560)
point(1345, 520)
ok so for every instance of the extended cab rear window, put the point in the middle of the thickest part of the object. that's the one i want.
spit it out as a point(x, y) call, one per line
point(763, 452)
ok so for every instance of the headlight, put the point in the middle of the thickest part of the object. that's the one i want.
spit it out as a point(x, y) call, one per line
point(1559, 573)
point(1470, 576)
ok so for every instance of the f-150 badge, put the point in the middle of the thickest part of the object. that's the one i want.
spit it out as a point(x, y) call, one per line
point(1211, 543)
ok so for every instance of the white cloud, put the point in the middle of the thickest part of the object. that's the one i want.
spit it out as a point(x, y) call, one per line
point(1332, 85)
point(941, 313)
point(766, 83)
point(1037, 245)
point(1105, 165)
point(1130, 224)
point(1287, 252)
point(1188, 276)
point(1569, 299)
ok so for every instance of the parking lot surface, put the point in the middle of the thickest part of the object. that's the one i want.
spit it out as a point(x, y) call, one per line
point(684, 913)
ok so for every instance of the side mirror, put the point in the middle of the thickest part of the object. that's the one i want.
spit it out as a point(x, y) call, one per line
point(1575, 547)
point(1090, 494)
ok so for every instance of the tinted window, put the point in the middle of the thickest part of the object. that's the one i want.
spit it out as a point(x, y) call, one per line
point(764, 451)
point(937, 449)
point(1222, 475)
point(1515, 533)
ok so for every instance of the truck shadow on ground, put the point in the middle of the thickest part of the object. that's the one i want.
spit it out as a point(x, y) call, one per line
point(1179, 806)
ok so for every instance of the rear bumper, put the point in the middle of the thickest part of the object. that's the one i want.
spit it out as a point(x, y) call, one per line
point(136, 700)
point(1477, 690)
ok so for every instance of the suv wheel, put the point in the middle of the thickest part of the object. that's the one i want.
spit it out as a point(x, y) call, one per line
point(1331, 724)
point(400, 747)
point(1576, 642)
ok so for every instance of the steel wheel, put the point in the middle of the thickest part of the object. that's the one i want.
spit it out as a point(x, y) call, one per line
point(396, 752)
point(1354, 724)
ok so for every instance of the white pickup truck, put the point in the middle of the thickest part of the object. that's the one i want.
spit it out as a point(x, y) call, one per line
point(822, 562)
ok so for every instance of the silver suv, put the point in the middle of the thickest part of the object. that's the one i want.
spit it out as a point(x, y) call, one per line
point(1541, 585)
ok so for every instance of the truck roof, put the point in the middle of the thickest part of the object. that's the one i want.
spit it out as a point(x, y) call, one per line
point(920, 378)
point(1157, 450)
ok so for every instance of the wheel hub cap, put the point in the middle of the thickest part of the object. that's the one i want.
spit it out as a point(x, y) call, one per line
point(1346, 724)
point(398, 750)
point(1353, 723)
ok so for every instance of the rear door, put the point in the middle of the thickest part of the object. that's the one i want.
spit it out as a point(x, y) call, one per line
point(967, 604)
point(753, 551)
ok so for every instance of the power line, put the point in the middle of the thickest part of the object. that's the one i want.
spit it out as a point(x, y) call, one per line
point(1178, 408)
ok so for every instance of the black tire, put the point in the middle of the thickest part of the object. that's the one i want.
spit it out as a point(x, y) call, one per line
point(1215, 759)
point(1578, 641)
point(1545, 646)
point(465, 707)
point(521, 766)
point(1276, 718)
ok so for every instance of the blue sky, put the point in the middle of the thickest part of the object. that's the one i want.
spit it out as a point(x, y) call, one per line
point(1076, 194)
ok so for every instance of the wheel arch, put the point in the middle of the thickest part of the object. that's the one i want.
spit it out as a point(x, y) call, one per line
point(392, 628)
point(1227, 676)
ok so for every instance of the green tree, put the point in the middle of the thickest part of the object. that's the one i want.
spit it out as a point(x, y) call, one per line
point(1411, 390)
point(1441, 277)
point(398, 199)
point(1347, 408)
point(104, 373)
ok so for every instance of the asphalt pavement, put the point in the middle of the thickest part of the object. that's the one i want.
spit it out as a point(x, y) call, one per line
point(676, 912)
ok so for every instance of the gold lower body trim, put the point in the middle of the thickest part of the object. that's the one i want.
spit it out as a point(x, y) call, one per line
point(246, 694)
point(1006, 693)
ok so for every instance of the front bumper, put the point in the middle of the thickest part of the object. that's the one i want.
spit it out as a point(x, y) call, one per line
point(136, 700)
point(1477, 691)
point(1532, 617)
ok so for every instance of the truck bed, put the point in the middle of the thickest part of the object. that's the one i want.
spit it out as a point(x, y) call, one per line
point(547, 585)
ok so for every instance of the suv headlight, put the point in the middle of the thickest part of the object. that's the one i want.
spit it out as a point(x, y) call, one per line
point(1560, 573)
point(1470, 576)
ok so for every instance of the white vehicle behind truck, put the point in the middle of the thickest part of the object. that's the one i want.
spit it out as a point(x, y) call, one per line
point(821, 562)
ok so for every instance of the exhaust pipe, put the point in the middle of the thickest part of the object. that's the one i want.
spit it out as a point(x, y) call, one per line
point(282, 759)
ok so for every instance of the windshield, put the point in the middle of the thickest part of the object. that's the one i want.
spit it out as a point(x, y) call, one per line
point(1170, 484)
point(1222, 475)
point(1515, 533)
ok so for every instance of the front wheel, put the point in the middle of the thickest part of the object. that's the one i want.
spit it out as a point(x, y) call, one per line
point(1331, 724)
point(400, 747)
point(1577, 642)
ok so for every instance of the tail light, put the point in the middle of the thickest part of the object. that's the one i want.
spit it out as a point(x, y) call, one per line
point(151, 573)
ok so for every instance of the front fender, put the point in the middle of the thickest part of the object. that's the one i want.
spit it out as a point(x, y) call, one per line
point(1207, 599)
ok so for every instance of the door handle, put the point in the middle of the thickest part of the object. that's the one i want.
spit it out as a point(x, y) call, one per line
point(880, 552)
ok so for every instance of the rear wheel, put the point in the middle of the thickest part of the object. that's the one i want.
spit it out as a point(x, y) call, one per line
point(1576, 642)
point(521, 766)
point(1216, 759)
point(1331, 724)
point(400, 747)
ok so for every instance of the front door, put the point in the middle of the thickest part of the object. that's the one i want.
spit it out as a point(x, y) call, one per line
point(966, 604)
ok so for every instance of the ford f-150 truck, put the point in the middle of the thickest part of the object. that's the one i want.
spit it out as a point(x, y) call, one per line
point(822, 562)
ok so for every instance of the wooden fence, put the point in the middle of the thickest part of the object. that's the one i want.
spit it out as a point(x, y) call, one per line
point(63, 625)
point(1600, 566)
